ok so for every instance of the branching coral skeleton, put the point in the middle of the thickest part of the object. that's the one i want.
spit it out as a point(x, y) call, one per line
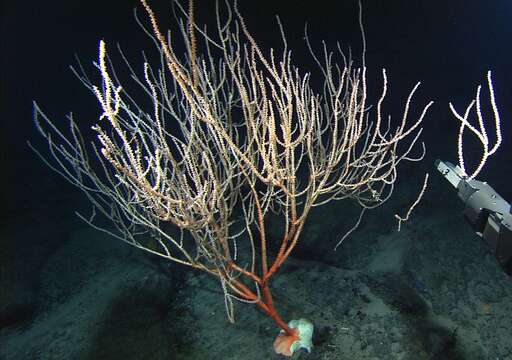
point(480, 132)
point(230, 126)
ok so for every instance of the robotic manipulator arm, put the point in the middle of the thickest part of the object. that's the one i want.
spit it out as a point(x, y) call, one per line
point(485, 210)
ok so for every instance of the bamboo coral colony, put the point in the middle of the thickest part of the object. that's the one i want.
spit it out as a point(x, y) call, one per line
point(231, 128)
